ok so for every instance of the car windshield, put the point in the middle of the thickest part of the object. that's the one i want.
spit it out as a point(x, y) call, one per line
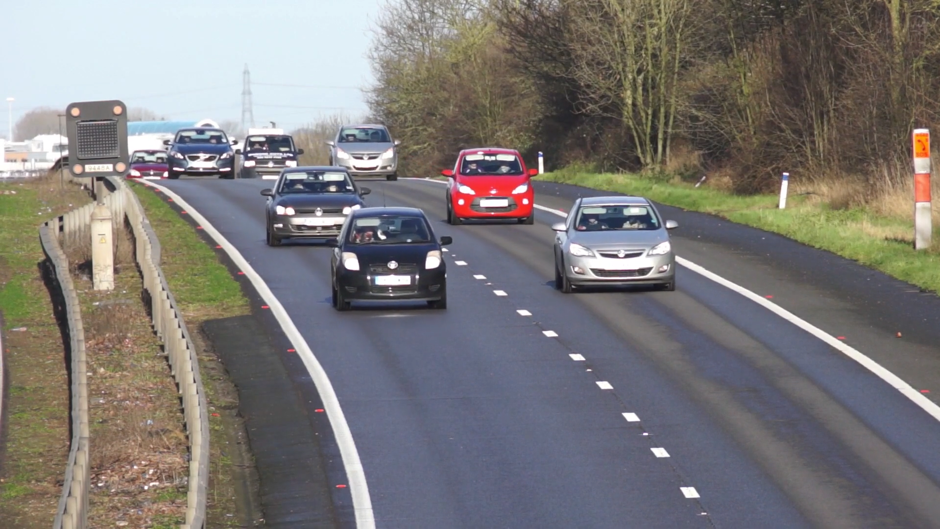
point(491, 165)
point(148, 157)
point(389, 229)
point(364, 135)
point(595, 218)
point(201, 136)
point(318, 182)
point(269, 144)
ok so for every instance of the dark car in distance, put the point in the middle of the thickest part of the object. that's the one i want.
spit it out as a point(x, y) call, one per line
point(265, 155)
point(310, 202)
point(388, 254)
point(201, 151)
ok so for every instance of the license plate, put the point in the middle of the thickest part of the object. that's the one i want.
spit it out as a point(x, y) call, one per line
point(202, 165)
point(494, 203)
point(392, 281)
point(324, 221)
point(99, 168)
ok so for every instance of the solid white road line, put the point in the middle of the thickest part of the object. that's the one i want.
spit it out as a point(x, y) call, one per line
point(358, 488)
point(523, 312)
point(604, 385)
point(576, 357)
point(500, 293)
point(689, 492)
point(877, 369)
point(550, 334)
point(660, 452)
point(631, 417)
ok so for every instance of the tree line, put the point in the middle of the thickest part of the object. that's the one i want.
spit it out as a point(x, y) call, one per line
point(741, 88)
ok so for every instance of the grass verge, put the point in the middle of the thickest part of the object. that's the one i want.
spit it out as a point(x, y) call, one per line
point(35, 448)
point(860, 233)
point(205, 290)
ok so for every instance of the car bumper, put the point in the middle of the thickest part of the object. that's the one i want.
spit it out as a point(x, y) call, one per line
point(302, 226)
point(428, 285)
point(177, 167)
point(472, 206)
point(603, 271)
point(379, 168)
point(267, 167)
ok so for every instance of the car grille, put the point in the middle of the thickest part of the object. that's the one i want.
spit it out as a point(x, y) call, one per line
point(317, 230)
point(627, 254)
point(404, 289)
point(403, 269)
point(366, 156)
point(313, 211)
point(475, 206)
point(621, 273)
point(203, 157)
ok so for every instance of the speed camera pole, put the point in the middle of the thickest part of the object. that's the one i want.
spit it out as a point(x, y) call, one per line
point(922, 210)
point(97, 133)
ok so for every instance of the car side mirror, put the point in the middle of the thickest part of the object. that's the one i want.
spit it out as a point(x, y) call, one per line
point(446, 239)
point(397, 143)
point(559, 226)
point(166, 142)
point(449, 173)
point(234, 142)
point(332, 243)
point(330, 143)
point(299, 152)
point(238, 151)
point(671, 224)
point(267, 192)
point(364, 191)
point(533, 172)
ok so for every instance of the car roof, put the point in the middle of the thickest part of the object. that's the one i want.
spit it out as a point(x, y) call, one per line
point(305, 168)
point(210, 129)
point(489, 150)
point(365, 126)
point(389, 210)
point(614, 200)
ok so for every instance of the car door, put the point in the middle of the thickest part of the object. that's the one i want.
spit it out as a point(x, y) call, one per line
point(561, 237)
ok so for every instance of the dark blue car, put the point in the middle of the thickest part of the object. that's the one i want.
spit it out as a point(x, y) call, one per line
point(201, 151)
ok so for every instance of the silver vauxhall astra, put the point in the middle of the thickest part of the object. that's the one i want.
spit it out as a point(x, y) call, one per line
point(616, 240)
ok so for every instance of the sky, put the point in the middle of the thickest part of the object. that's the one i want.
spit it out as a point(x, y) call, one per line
point(184, 59)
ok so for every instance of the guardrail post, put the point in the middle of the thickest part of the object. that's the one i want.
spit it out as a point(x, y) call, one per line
point(923, 222)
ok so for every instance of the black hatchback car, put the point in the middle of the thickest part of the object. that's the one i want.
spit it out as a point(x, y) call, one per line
point(388, 254)
point(311, 203)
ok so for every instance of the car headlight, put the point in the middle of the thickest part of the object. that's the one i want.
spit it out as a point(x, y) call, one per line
point(349, 209)
point(249, 163)
point(134, 172)
point(341, 154)
point(465, 190)
point(350, 261)
point(166, 174)
point(660, 249)
point(521, 189)
point(580, 251)
point(433, 260)
point(226, 155)
point(389, 153)
point(281, 210)
point(176, 155)
point(291, 163)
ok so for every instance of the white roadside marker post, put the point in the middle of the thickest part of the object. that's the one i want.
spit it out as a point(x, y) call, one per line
point(922, 209)
point(783, 190)
point(541, 163)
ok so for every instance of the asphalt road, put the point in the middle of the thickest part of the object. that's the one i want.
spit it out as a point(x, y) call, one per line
point(694, 408)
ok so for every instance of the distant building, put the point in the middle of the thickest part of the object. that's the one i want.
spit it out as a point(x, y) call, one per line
point(37, 154)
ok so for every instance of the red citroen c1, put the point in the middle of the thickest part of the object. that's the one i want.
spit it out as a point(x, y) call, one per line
point(490, 183)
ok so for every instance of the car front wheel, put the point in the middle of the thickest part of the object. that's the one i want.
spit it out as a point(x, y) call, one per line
point(340, 302)
point(273, 240)
point(439, 304)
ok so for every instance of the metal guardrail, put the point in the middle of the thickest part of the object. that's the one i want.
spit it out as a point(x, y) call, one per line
point(2, 374)
point(170, 328)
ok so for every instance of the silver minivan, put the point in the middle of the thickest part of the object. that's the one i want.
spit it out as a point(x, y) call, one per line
point(365, 150)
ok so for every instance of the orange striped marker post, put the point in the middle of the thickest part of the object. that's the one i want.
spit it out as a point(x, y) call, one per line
point(922, 210)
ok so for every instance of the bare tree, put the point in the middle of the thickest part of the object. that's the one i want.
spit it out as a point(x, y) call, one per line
point(43, 120)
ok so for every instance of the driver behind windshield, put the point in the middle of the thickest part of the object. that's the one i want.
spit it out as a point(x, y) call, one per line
point(591, 222)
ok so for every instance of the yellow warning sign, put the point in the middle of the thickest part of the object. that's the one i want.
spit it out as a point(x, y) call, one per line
point(103, 241)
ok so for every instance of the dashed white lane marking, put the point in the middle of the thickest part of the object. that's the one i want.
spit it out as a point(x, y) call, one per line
point(523, 312)
point(660, 452)
point(500, 293)
point(550, 334)
point(460, 263)
point(478, 276)
point(604, 385)
point(631, 417)
point(576, 357)
point(358, 487)
point(689, 492)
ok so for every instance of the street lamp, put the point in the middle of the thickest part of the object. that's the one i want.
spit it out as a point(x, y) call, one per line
point(10, 117)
